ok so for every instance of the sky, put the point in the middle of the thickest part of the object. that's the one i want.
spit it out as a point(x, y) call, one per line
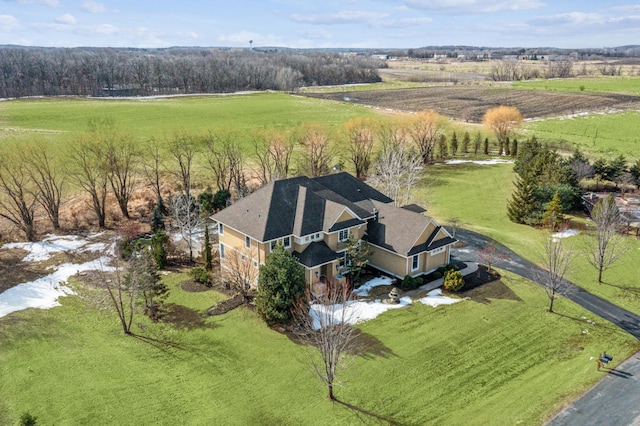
point(320, 24)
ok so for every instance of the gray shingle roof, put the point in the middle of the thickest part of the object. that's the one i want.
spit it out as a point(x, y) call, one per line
point(317, 253)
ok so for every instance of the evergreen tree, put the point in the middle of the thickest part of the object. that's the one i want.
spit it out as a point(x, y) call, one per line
point(553, 214)
point(616, 168)
point(477, 142)
point(162, 208)
point(507, 147)
point(358, 257)
point(206, 250)
point(157, 221)
point(442, 147)
point(454, 144)
point(221, 199)
point(634, 170)
point(206, 200)
point(486, 146)
point(514, 148)
point(523, 201)
point(466, 141)
point(281, 285)
point(159, 245)
point(600, 169)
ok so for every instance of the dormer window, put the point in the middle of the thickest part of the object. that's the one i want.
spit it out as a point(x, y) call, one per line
point(286, 242)
point(343, 235)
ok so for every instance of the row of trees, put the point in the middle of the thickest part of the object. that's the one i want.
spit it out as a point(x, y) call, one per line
point(31, 71)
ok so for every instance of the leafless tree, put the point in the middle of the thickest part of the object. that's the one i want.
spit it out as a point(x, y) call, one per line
point(396, 171)
point(121, 287)
point(89, 169)
point(18, 194)
point(273, 151)
point(559, 69)
point(122, 159)
point(425, 130)
point(226, 161)
point(582, 169)
point(239, 269)
point(360, 143)
point(331, 339)
point(49, 176)
point(556, 258)
point(607, 245)
point(153, 165)
point(183, 148)
point(186, 218)
point(490, 255)
point(317, 154)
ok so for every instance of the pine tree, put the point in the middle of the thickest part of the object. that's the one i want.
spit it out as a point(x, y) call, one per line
point(523, 200)
point(486, 146)
point(466, 141)
point(477, 141)
point(454, 144)
point(635, 172)
point(514, 148)
point(442, 147)
point(157, 222)
point(206, 253)
point(553, 215)
point(159, 244)
point(507, 147)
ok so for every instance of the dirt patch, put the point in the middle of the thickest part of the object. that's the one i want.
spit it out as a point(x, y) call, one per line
point(13, 271)
point(191, 286)
point(226, 306)
point(183, 317)
point(479, 277)
point(470, 103)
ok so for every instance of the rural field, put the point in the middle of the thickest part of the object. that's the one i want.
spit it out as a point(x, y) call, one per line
point(622, 85)
point(495, 358)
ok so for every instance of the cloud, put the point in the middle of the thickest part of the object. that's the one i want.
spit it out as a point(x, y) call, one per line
point(471, 7)
point(343, 17)
point(242, 38)
point(92, 6)
point(8, 23)
point(52, 3)
point(405, 22)
point(66, 19)
point(568, 18)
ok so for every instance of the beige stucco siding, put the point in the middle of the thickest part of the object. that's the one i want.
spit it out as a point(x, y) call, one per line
point(332, 239)
point(388, 261)
point(437, 260)
point(345, 216)
point(426, 233)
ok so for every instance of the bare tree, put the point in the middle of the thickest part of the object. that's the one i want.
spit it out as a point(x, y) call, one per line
point(273, 152)
point(360, 145)
point(425, 130)
point(18, 194)
point(226, 161)
point(607, 245)
point(490, 255)
point(49, 176)
point(121, 288)
point(186, 218)
point(122, 158)
point(153, 165)
point(89, 169)
point(183, 148)
point(240, 269)
point(396, 171)
point(556, 260)
point(317, 154)
point(330, 337)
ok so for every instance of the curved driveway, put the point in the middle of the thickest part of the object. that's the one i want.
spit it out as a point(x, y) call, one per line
point(615, 400)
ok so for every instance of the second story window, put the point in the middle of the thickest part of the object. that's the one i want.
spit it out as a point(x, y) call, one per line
point(220, 229)
point(286, 242)
point(247, 241)
point(273, 245)
point(343, 235)
point(221, 251)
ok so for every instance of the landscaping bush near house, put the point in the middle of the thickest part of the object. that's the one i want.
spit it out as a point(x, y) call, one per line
point(453, 280)
point(410, 283)
point(200, 275)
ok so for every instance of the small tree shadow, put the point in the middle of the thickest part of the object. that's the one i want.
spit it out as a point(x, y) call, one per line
point(618, 373)
point(366, 416)
point(182, 317)
point(369, 347)
point(592, 323)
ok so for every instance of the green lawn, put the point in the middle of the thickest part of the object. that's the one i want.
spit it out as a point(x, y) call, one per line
point(602, 84)
point(607, 134)
point(477, 196)
point(145, 118)
point(461, 364)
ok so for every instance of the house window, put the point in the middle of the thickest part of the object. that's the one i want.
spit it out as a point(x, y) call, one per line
point(287, 242)
point(437, 251)
point(307, 239)
point(317, 236)
point(255, 263)
point(220, 229)
point(221, 251)
point(343, 235)
point(414, 262)
point(244, 258)
point(247, 241)
point(273, 245)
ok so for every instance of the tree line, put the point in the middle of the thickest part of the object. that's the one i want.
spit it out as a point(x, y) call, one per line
point(32, 71)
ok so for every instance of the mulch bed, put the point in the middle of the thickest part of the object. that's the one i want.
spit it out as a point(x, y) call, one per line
point(191, 286)
point(478, 278)
point(226, 306)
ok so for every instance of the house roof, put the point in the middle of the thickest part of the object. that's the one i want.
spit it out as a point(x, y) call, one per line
point(353, 190)
point(414, 208)
point(397, 230)
point(297, 206)
point(317, 253)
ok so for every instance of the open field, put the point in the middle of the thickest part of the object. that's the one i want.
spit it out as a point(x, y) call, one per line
point(602, 84)
point(417, 368)
point(470, 103)
point(607, 134)
point(146, 118)
point(483, 208)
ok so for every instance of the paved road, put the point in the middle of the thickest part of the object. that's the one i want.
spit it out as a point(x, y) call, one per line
point(615, 400)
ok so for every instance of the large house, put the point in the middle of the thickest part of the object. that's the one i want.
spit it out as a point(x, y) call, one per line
point(315, 218)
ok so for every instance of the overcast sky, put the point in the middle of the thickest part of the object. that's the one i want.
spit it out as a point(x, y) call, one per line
point(326, 23)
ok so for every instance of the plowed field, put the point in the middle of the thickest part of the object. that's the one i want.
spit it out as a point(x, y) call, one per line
point(470, 103)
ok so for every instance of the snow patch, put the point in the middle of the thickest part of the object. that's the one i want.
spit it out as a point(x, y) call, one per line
point(565, 234)
point(44, 292)
point(43, 250)
point(481, 162)
point(353, 312)
point(435, 298)
point(364, 289)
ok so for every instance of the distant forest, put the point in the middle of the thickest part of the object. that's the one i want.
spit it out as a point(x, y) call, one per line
point(31, 71)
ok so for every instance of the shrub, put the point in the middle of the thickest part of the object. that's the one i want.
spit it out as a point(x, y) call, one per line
point(200, 275)
point(159, 243)
point(125, 248)
point(26, 419)
point(437, 275)
point(410, 283)
point(453, 280)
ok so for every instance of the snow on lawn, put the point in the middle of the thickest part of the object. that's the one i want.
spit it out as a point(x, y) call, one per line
point(565, 234)
point(43, 250)
point(481, 162)
point(364, 289)
point(435, 298)
point(44, 292)
point(355, 311)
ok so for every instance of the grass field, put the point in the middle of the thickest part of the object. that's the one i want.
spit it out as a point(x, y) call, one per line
point(145, 118)
point(602, 84)
point(606, 134)
point(483, 208)
point(460, 364)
